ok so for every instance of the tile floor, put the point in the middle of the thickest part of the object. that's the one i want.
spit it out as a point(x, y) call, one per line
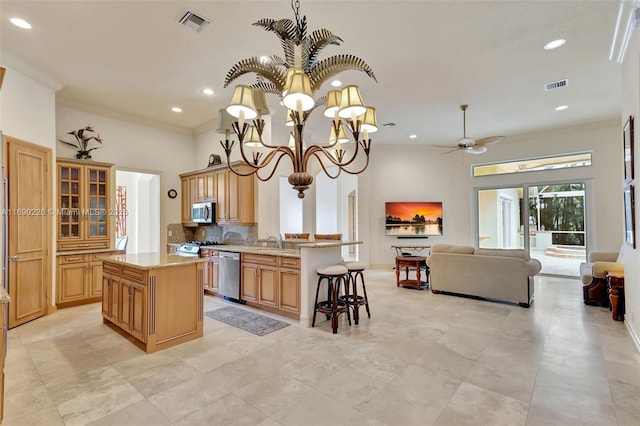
point(422, 359)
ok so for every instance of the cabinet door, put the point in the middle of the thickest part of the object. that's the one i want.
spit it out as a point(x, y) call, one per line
point(233, 198)
point(214, 268)
point(186, 201)
point(138, 310)
point(289, 290)
point(207, 274)
point(221, 194)
point(69, 193)
point(94, 280)
point(71, 281)
point(249, 283)
point(124, 304)
point(268, 286)
point(201, 188)
point(97, 203)
point(113, 310)
point(210, 185)
point(106, 291)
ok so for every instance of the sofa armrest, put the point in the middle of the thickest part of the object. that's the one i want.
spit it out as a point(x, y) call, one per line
point(533, 267)
point(600, 269)
point(602, 256)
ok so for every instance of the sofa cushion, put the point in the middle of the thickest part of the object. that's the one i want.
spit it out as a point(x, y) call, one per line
point(451, 248)
point(522, 254)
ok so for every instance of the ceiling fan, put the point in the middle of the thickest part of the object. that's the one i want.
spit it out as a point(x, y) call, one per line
point(472, 146)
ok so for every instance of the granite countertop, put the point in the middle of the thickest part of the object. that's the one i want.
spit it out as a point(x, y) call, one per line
point(273, 251)
point(151, 260)
point(85, 251)
point(4, 296)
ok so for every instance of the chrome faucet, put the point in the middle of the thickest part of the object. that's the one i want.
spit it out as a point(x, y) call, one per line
point(277, 239)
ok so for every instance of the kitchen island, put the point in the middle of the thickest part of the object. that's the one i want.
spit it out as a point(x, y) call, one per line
point(157, 298)
point(311, 255)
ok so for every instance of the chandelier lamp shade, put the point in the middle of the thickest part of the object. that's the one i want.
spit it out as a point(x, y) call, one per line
point(295, 79)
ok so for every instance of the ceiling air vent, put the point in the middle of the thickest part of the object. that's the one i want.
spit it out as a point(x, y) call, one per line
point(194, 21)
point(391, 124)
point(556, 84)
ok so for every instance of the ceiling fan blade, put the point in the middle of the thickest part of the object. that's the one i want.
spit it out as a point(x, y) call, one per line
point(491, 140)
point(452, 150)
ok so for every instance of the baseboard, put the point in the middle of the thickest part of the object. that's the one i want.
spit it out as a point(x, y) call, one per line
point(634, 336)
point(51, 309)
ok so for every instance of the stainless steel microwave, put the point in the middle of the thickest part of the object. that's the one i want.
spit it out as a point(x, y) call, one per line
point(203, 212)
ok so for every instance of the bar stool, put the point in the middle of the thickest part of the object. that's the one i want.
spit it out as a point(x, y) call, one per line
point(355, 270)
point(335, 275)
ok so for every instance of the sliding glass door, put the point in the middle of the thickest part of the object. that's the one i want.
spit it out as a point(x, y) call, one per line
point(547, 220)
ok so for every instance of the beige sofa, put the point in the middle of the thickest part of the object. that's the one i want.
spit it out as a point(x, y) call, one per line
point(499, 274)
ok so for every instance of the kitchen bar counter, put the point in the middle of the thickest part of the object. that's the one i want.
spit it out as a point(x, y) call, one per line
point(4, 296)
point(145, 261)
point(274, 251)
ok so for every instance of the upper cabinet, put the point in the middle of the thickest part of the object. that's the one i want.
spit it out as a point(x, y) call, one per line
point(233, 194)
point(84, 205)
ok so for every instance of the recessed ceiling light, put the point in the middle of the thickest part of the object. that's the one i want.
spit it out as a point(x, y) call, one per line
point(413, 136)
point(336, 83)
point(562, 107)
point(555, 44)
point(20, 23)
point(176, 109)
point(207, 91)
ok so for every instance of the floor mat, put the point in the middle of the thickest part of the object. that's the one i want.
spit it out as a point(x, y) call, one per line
point(245, 320)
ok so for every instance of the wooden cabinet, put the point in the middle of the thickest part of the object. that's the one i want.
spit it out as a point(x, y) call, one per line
point(211, 269)
point(3, 352)
point(233, 194)
point(160, 307)
point(235, 197)
point(79, 279)
point(84, 207)
point(271, 283)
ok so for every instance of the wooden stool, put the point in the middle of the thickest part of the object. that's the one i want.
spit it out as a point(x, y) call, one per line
point(356, 269)
point(333, 306)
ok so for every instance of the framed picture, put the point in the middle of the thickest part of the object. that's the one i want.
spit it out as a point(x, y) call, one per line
point(627, 139)
point(629, 216)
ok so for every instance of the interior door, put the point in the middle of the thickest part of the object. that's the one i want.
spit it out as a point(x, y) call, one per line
point(29, 221)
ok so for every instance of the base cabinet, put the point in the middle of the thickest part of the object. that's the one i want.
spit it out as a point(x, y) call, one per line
point(79, 279)
point(211, 268)
point(271, 283)
point(3, 351)
point(159, 307)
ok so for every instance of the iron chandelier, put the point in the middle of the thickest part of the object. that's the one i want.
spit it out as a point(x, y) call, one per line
point(295, 79)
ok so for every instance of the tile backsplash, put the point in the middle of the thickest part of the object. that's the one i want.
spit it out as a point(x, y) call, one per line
point(241, 235)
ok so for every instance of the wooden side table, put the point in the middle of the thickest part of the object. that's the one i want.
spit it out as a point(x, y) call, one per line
point(615, 288)
point(407, 262)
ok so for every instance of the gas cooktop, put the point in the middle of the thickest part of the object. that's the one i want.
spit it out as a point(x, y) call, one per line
point(203, 243)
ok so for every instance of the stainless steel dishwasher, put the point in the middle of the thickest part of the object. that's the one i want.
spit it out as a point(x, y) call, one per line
point(229, 275)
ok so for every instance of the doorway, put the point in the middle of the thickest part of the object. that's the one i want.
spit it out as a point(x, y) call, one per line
point(547, 220)
point(27, 229)
point(138, 205)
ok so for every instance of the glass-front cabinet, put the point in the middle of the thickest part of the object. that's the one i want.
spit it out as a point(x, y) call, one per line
point(84, 201)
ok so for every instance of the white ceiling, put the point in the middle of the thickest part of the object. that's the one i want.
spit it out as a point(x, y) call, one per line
point(133, 58)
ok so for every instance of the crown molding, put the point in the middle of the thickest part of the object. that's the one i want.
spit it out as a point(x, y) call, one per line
point(107, 112)
point(626, 21)
point(17, 64)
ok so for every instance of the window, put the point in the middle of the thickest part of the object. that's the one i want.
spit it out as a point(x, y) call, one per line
point(581, 159)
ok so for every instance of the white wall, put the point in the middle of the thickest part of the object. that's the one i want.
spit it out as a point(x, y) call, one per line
point(28, 113)
point(137, 147)
point(631, 106)
point(412, 173)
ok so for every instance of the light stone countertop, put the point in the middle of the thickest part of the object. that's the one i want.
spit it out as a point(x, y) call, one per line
point(147, 261)
point(273, 251)
point(4, 296)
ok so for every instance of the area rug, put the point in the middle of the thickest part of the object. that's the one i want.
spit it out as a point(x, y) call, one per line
point(245, 320)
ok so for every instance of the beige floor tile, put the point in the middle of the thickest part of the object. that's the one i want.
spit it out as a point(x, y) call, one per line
point(274, 394)
point(139, 414)
point(228, 411)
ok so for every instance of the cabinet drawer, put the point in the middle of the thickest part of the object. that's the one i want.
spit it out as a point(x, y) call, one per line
point(74, 245)
point(72, 258)
point(135, 274)
point(96, 257)
point(111, 268)
point(290, 262)
point(261, 259)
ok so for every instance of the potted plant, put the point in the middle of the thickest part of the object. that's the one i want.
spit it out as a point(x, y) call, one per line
point(83, 137)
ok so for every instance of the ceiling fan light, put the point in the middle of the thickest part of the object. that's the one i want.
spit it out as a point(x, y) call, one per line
point(476, 150)
point(351, 102)
point(369, 121)
point(242, 100)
